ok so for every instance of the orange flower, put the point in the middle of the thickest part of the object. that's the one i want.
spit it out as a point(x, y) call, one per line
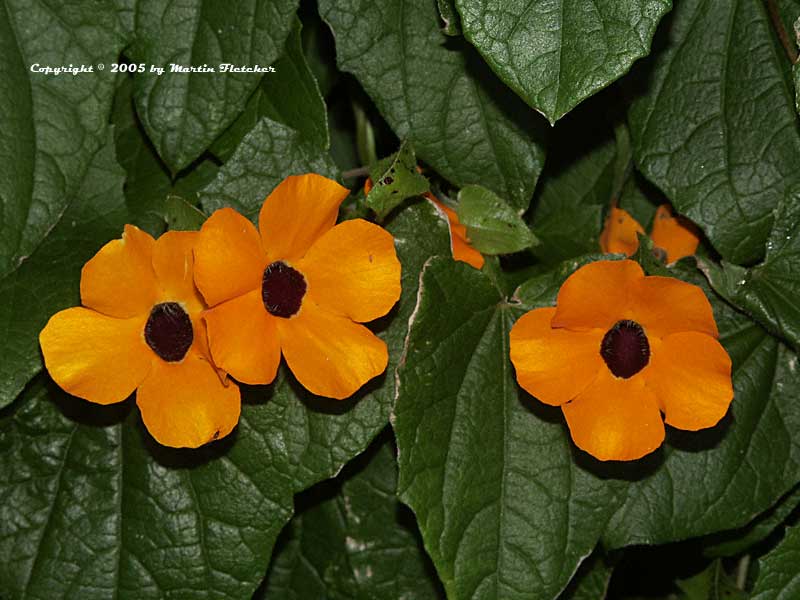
point(299, 286)
point(620, 233)
point(459, 242)
point(617, 350)
point(141, 330)
point(677, 236)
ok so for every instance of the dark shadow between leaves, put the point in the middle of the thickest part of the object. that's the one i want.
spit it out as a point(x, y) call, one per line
point(404, 517)
point(640, 78)
point(651, 571)
point(580, 133)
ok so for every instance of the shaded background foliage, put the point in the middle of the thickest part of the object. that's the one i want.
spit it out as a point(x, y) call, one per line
point(441, 477)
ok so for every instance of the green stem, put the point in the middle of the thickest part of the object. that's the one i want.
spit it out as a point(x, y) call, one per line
point(365, 136)
point(357, 172)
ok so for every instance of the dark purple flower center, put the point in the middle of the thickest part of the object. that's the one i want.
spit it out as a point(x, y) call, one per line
point(282, 289)
point(625, 349)
point(169, 331)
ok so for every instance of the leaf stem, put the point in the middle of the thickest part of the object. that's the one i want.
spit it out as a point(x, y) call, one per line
point(783, 36)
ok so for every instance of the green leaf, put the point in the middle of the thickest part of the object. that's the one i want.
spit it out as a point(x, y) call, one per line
point(148, 184)
point(357, 543)
point(437, 93)
point(148, 181)
point(394, 179)
point(778, 576)
point(769, 292)
point(52, 125)
point(184, 112)
point(716, 128)
point(731, 543)
point(504, 510)
point(181, 215)
point(47, 280)
point(555, 54)
point(184, 523)
point(449, 16)
point(100, 510)
point(493, 227)
point(576, 187)
point(126, 13)
point(290, 96)
point(519, 525)
point(266, 155)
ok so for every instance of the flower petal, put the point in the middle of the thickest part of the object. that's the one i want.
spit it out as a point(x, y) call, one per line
point(619, 235)
point(329, 354)
point(244, 339)
point(597, 295)
point(297, 213)
point(185, 404)
point(554, 365)
point(615, 419)
point(228, 259)
point(459, 243)
point(665, 305)
point(119, 280)
point(678, 236)
point(690, 374)
point(99, 358)
point(173, 263)
point(463, 251)
point(353, 270)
